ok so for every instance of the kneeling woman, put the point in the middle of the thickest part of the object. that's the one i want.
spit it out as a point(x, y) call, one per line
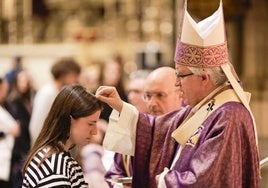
point(71, 121)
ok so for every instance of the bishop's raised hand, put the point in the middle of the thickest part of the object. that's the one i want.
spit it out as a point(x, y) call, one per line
point(109, 95)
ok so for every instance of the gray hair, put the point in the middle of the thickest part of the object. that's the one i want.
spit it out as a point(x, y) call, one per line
point(216, 74)
point(139, 74)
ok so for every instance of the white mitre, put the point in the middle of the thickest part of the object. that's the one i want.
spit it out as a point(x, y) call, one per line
point(204, 44)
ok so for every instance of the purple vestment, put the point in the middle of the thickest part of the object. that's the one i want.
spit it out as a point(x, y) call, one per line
point(117, 169)
point(222, 153)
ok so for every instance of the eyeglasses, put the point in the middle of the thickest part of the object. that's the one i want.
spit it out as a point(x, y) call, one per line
point(159, 95)
point(180, 76)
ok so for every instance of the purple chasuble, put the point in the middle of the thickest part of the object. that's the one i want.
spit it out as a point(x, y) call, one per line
point(117, 169)
point(221, 153)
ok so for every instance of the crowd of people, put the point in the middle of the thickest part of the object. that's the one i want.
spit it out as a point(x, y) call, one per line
point(26, 109)
point(188, 126)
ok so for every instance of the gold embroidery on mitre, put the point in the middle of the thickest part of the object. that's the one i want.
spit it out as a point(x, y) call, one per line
point(209, 56)
point(194, 138)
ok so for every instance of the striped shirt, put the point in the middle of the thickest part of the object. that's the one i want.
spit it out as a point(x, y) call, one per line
point(59, 170)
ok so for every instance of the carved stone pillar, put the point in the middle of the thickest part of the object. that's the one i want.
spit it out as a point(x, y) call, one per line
point(256, 57)
point(27, 21)
point(9, 13)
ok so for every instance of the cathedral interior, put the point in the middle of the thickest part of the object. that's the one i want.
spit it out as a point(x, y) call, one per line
point(144, 32)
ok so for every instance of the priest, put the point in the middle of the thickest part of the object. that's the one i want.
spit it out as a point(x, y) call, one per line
point(211, 142)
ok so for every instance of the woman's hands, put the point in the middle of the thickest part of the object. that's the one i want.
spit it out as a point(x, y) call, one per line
point(109, 95)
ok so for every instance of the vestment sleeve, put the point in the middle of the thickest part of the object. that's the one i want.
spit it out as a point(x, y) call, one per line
point(120, 136)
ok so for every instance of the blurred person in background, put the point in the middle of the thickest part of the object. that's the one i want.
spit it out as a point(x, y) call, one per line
point(9, 129)
point(90, 77)
point(160, 93)
point(160, 96)
point(65, 71)
point(136, 89)
point(21, 96)
point(16, 67)
point(113, 75)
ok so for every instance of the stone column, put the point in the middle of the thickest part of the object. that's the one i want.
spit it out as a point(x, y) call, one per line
point(27, 21)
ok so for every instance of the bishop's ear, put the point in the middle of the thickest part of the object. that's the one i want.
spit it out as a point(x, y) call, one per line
point(205, 77)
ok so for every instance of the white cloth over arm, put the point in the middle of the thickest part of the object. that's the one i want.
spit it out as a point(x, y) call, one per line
point(120, 136)
point(6, 144)
point(42, 103)
point(6, 120)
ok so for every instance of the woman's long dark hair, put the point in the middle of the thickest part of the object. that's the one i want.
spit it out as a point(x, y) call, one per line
point(72, 101)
